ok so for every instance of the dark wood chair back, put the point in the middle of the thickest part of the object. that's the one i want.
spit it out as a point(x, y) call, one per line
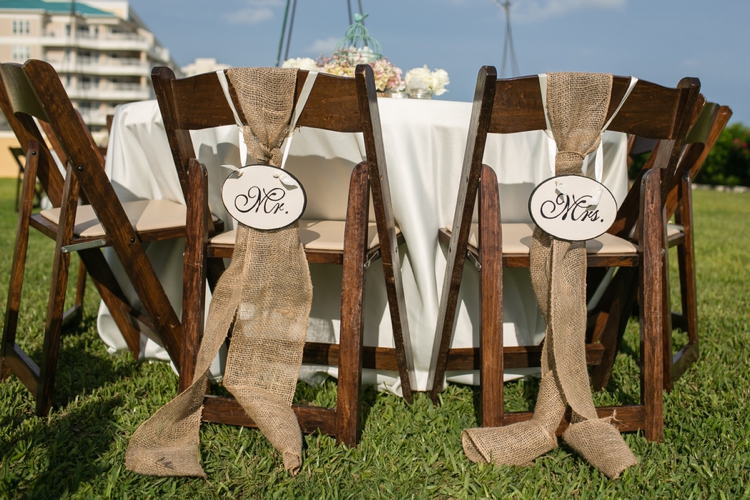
point(335, 104)
point(25, 129)
point(515, 105)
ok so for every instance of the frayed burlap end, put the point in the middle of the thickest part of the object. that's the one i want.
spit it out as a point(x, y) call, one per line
point(519, 444)
point(167, 444)
point(267, 293)
point(265, 354)
point(601, 444)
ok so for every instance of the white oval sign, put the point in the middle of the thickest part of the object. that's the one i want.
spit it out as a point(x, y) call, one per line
point(572, 207)
point(263, 197)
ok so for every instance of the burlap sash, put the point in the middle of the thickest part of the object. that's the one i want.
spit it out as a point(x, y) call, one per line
point(267, 293)
point(577, 104)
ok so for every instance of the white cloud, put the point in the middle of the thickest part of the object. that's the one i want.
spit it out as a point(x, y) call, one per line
point(255, 12)
point(689, 63)
point(322, 46)
point(537, 10)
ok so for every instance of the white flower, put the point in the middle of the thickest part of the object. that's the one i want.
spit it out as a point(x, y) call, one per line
point(304, 63)
point(424, 79)
point(440, 80)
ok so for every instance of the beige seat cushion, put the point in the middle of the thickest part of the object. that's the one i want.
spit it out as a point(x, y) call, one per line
point(314, 234)
point(673, 230)
point(144, 215)
point(517, 240)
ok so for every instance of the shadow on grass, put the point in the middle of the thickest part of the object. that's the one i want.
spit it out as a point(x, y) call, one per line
point(60, 453)
point(79, 371)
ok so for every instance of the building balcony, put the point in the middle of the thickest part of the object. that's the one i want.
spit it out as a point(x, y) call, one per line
point(99, 42)
point(93, 118)
point(125, 92)
point(113, 67)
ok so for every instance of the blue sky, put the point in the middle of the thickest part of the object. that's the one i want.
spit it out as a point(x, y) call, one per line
point(657, 40)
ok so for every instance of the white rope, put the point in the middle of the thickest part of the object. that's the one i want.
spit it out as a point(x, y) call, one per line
point(301, 102)
point(598, 159)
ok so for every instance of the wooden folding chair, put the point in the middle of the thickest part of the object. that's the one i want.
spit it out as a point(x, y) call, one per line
point(705, 130)
point(74, 314)
point(515, 105)
point(34, 91)
point(337, 104)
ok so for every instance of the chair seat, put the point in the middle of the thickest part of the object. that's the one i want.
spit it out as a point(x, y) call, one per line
point(327, 235)
point(144, 215)
point(673, 230)
point(517, 240)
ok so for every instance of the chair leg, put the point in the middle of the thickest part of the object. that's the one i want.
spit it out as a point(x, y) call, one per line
point(53, 327)
point(652, 242)
point(56, 305)
point(194, 281)
point(352, 310)
point(75, 313)
point(666, 318)
point(686, 262)
point(452, 281)
point(15, 286)
point(491, 300)
point(18, 265)
point(618, 301)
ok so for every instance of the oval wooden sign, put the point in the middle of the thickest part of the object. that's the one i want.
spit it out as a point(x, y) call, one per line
point(562, 207)
point(263, 197)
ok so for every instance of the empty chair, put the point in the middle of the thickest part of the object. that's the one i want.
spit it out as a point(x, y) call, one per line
point(34, 91)
point(515, 105)
point(335, 104)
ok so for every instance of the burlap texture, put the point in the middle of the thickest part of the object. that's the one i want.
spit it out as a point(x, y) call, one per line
point(577, 107)
point(267, 293)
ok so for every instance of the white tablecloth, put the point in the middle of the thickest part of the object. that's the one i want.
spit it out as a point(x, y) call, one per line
point(424, 144)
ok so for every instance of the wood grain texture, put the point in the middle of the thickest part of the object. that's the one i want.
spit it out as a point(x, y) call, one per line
point(522, 356)
point(18, 264)
point(491, 300)
point(194, 272)
point(228, 411)
point(626, 418)
point(479, 126)
point(56, 304)
point(352, 308)
point(386, 225)
point(652, 240)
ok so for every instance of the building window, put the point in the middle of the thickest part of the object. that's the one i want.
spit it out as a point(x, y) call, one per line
point(21, 27)
point(21, 53)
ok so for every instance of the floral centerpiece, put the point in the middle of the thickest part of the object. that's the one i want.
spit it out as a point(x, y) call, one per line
point(422, 80)
point(357, 47)
point(387, 75)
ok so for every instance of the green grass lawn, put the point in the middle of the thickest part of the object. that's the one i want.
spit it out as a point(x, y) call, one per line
point(406, 451)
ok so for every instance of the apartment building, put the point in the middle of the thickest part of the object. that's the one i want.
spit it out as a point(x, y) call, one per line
point(101, 49)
